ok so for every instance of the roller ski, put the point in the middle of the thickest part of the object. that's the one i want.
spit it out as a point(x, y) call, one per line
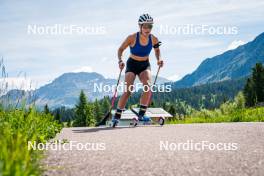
point(146, 120)
point(141, 119)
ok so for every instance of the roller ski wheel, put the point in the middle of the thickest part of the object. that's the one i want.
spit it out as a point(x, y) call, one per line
point(114, 123)
point(161, 121)
point(135, 122)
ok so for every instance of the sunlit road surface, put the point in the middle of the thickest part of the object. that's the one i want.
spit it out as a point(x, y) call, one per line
point(229, 149)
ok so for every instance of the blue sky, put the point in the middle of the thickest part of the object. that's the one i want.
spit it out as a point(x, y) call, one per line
point(45, 57)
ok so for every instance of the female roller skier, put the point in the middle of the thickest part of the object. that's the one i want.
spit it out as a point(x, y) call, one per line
point(140, 44)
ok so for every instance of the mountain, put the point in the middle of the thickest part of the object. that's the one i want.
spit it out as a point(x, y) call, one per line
point(65, 90)
point(14, 97)
point(232, 64)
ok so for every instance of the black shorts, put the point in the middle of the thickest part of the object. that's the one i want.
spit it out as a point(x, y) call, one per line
point(137, 66)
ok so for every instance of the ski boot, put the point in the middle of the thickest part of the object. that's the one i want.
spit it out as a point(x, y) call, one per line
point(115, 121)
point(145, 119)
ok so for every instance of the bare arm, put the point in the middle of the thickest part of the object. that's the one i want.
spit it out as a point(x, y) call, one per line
point(157, 53)
point(123, 46)
point(157, 50)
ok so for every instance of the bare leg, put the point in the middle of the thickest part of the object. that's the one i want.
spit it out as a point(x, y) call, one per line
point(129, 79)
point(145, 78)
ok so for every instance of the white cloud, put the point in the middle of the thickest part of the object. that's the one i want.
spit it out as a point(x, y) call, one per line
point(83, 69)
point(174, 77)
point(235, 44)
point(195, 43)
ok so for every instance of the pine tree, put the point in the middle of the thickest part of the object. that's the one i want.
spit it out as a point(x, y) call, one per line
point(258, 79)
point(172, 110)
point(152, 104)
point(57, 115)
point(97, 111)
point(254, 88)
point(80, 111)
point(164, 106)
point(249, 93)
point(46, 109)
point(69, 123)
point(90, 119)
point(105, 105)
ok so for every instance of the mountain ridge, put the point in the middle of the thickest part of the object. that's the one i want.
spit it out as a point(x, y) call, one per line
point(231, 64)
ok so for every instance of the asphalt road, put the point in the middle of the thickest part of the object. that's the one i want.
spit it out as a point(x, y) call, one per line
point(228, 149)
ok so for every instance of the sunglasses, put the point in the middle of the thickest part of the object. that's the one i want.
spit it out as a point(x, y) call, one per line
point(147, 26)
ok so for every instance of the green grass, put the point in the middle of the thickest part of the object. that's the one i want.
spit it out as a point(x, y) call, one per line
point(17, 127)
point(218, 116)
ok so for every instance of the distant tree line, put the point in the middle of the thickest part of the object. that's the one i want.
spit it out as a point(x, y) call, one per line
point(207, 96)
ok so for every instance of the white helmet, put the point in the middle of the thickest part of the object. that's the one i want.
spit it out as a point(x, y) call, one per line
point(145, 19)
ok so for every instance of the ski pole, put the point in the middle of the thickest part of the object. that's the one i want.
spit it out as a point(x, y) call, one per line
point(156, 77)
point(115, 94)
point(112, 102)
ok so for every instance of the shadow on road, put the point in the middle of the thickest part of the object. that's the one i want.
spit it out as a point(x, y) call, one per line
point(96, 129)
